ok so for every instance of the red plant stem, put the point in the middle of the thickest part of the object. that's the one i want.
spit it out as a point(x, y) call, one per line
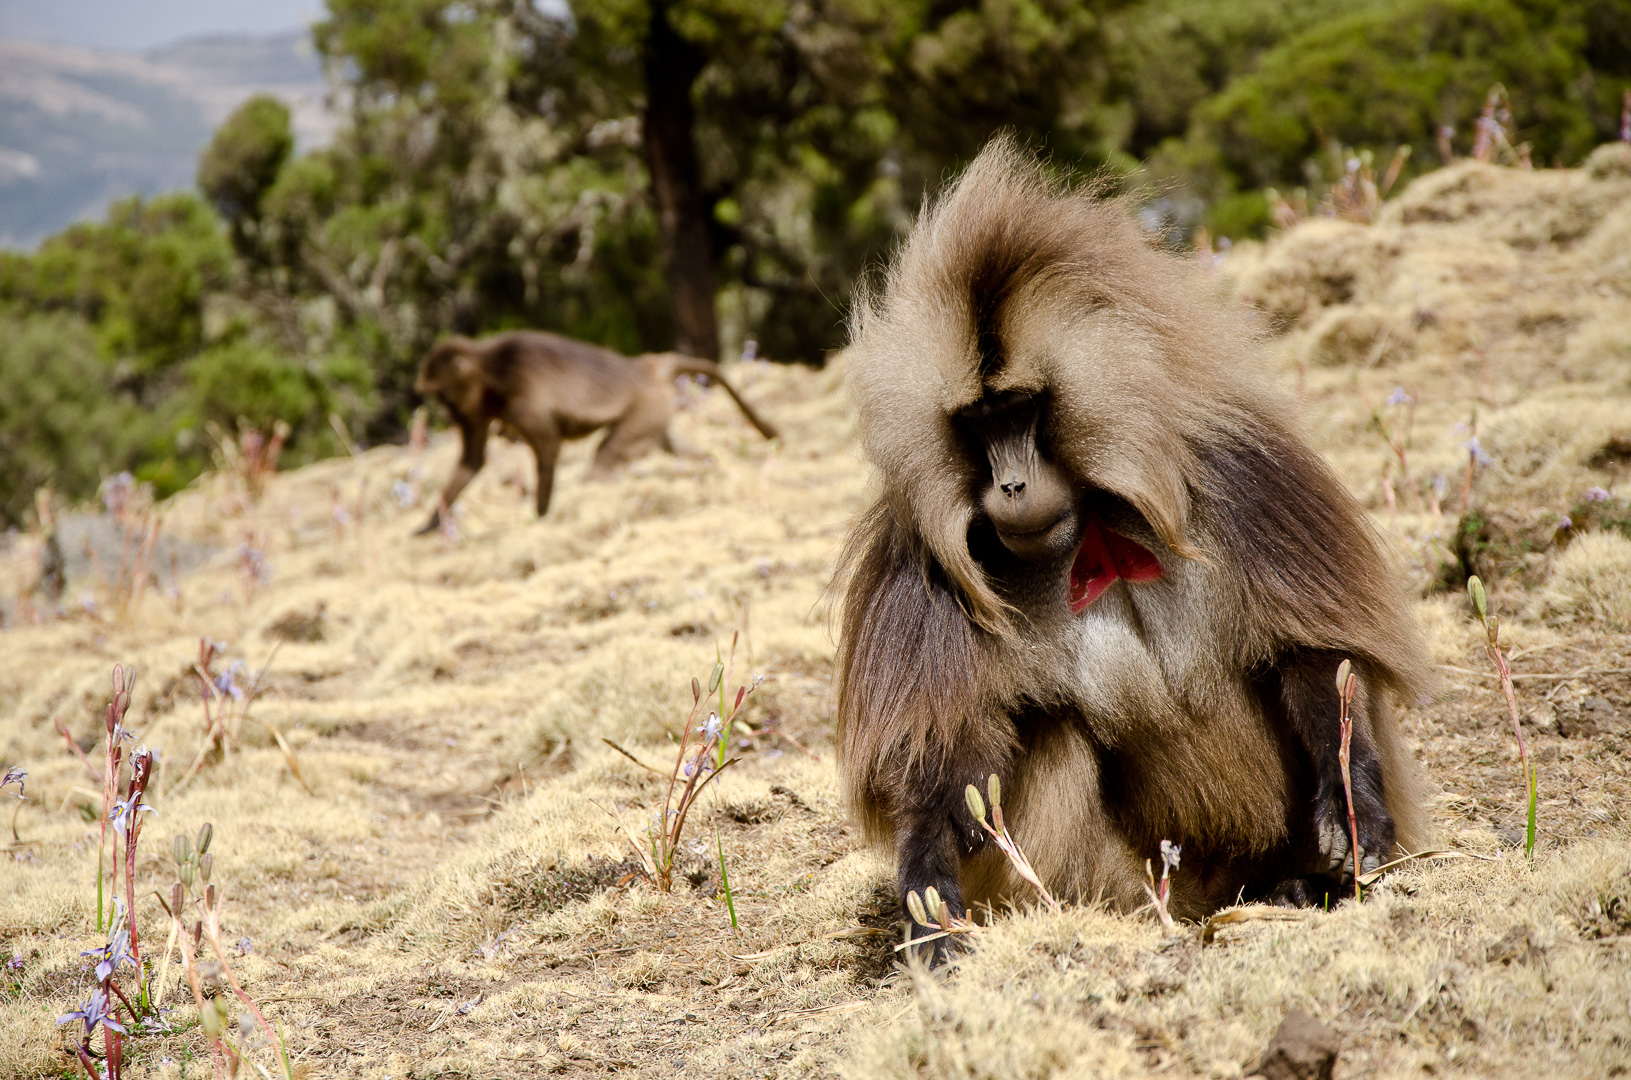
point(1505, 672)
point(68, 737)
point(670, 836)
point(1344, 757)
point(141, 768)
point(214, 933)
point(1348, 790)
point(112, 720)
point(113, 986)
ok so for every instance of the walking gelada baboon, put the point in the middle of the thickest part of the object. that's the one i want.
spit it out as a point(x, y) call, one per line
point(548, 389)
point(1105, 567)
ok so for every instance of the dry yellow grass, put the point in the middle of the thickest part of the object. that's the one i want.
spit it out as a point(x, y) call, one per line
point(455, 898)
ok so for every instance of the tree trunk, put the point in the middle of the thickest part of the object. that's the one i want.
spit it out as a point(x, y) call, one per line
point(672, 65)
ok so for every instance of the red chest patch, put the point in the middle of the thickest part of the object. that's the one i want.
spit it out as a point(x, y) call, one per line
point(1103, 557)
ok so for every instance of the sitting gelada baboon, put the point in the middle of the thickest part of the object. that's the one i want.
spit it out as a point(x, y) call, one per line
point(547, 389)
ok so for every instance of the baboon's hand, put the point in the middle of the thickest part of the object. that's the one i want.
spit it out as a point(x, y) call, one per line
point(1335, 843)
point(938, 950)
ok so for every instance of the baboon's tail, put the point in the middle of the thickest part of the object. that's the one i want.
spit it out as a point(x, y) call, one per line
point(691, 365)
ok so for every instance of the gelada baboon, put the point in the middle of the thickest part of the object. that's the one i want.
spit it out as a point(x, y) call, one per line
point(1105, 567)
point(548, 389)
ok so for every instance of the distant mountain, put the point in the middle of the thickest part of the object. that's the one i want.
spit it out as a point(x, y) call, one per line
point(81, 127)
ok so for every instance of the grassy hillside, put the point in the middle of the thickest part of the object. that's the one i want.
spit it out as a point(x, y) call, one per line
point(444, 889)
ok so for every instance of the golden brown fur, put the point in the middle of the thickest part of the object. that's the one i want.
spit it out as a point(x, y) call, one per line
point(548, 389)
point(1186, 708)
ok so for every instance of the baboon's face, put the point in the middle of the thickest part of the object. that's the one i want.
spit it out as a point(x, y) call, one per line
point(428, 383)
point(1030, 500)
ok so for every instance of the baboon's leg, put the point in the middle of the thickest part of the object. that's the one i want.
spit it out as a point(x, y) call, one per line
point(1308, 694)
point(546, 448)
point(680, 449)
point(474, 438)
point(635, 434)
point(936, 833)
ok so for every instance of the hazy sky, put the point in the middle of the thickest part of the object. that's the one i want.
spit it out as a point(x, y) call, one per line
point(142, 24)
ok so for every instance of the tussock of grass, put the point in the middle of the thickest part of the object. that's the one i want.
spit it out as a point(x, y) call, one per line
point(1591, 582)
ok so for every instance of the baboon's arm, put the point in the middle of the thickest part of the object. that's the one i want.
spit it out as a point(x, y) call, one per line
point(1312, 711)
point(935, 831)
point(474, 455)
point(915, 728)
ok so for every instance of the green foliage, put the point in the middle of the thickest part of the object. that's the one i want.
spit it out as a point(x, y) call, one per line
point(140, 278)
point(249, 383)
point(243, 159)
point(62, 420)
point(139, 369)
point(1396, 72)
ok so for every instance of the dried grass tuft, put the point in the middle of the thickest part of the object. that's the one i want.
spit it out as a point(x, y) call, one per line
point(1591, 582)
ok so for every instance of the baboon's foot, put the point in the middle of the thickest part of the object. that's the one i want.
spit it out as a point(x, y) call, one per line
point(1315, 890)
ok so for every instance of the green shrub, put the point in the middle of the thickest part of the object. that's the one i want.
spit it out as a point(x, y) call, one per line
point(246, 382)
point(140, 278)
point(62, 422)
point(244, 156)
point(1395, 72)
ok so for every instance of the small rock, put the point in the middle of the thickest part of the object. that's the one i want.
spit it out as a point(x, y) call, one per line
point(1543, 718)
point(1597, 716)
point(301, 626)
point(1518, 944)
point(1303, 1049)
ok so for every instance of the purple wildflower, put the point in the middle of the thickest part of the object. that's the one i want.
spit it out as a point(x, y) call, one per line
point(711, 728)
point(1169, 856)
point(118, 492)
point(95, 1011)
point(227, 682)
point(252, 562)
point(123, 812)
point(111, 955)
point(1565, 522)
point(1476, 449)
point(14, 775)
point(1596, 494)
point(1399, 397)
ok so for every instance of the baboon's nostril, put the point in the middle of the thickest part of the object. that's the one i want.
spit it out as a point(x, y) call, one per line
point(1014, 488)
